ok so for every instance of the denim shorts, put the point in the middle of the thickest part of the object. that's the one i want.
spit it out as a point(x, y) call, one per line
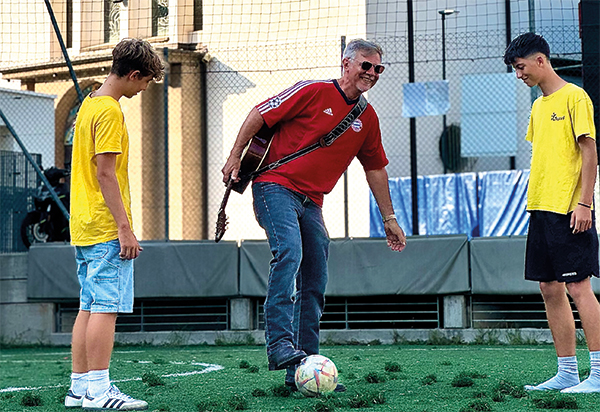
point(106, 280)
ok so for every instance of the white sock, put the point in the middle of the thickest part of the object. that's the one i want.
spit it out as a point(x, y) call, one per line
point(79, 383)
point(566, 377)
point(98, 382)
point(592, 383)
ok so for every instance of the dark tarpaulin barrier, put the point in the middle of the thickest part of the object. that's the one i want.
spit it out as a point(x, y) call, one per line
point(52, 272)
point(483, 204)
point(182, 269)
point(255, 256)
point(498, 267)
point(164, 269)
point(362, 267)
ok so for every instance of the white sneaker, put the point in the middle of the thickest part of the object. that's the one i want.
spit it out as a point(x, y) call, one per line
point(72, 400)
point(113, 400)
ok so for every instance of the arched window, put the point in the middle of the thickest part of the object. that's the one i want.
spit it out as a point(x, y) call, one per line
point(160, 17)
point(112, 21)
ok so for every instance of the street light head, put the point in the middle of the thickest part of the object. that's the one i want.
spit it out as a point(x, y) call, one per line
point(447, 12)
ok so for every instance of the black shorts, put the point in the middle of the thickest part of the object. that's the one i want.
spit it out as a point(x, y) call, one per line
point(554, 253)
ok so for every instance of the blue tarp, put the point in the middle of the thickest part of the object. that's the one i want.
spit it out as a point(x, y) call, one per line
point(482, 204)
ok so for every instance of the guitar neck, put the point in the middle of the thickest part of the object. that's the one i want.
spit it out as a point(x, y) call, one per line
point(226, 195)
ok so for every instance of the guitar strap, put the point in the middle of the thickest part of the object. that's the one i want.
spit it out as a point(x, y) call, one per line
point(324, 141)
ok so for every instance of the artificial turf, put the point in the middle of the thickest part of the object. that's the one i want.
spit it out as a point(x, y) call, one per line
point(402, 378)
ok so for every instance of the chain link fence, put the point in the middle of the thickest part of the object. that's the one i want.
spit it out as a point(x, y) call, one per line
point(222, 60)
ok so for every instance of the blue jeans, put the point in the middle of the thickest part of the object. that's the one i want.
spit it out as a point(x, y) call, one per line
point(299, 243)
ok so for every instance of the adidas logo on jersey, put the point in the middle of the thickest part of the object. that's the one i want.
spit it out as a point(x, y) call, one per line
point(328, 111)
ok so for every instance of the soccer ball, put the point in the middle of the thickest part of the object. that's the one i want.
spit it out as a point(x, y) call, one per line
point(315, 375)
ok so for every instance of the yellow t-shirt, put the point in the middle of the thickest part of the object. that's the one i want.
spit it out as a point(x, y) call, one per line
point(555, 124)
point(99, 128)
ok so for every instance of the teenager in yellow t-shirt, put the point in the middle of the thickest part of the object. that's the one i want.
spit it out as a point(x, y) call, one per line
point(562, 243)
point(101, 227)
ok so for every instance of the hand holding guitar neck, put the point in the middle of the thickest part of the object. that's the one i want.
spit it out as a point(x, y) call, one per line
point(222, 217)
point(255, 152)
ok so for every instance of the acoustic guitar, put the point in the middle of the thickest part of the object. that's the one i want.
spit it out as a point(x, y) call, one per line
point(256, 152)
point(252, 159)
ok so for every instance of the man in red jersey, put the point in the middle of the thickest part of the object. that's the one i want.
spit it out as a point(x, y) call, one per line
point(288, 199)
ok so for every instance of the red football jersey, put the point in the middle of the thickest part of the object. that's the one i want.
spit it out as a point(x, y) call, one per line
point(306, 112)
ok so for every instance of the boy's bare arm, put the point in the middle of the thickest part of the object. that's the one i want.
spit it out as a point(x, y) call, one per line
point(581, 219)
point(107, 178)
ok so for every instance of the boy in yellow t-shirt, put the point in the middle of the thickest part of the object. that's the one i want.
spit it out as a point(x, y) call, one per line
point(101, 228)
point(562, 243)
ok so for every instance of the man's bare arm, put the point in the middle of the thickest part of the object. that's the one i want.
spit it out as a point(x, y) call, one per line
point(378, 182)
point(249, 128)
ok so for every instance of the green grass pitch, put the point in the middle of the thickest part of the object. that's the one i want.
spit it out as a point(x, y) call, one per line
point(400, 378)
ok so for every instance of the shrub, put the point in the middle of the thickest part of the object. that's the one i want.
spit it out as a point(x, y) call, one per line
point(31, 399)
point(392, 367)
point(510, 389)
point(429, 380)
point(555, 401)
point(207, 406)
point(323, 406)
point(258, 393)
point(237, 403)
point(374, 377)
point(477, 406)
point(281, 391)
point(366, 400)
point(462, 381)
point(152, 379)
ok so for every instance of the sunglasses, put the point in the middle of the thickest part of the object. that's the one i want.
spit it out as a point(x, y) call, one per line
point(366, 66)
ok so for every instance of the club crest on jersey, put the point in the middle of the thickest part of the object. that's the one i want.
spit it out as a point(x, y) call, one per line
point(275, 102)
point(357, 125)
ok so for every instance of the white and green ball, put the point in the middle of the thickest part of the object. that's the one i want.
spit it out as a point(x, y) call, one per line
point(316, 375)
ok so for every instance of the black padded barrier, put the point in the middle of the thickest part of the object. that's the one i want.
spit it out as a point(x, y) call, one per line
point(163, 269)
point(435, 265)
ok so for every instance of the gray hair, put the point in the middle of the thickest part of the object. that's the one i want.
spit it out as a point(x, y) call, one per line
point(366, 47)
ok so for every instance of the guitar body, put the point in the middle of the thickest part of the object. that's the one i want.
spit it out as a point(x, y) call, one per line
point(253, 157)
point(256, 152)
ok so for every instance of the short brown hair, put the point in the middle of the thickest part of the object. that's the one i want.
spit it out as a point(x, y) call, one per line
point(136, 54)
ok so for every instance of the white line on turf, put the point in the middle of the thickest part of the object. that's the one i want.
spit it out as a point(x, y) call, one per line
point(208, 367)
point(439, 348)
point(3, 355)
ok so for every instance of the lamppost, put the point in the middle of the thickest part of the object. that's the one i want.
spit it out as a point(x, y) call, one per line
point(444, 13)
